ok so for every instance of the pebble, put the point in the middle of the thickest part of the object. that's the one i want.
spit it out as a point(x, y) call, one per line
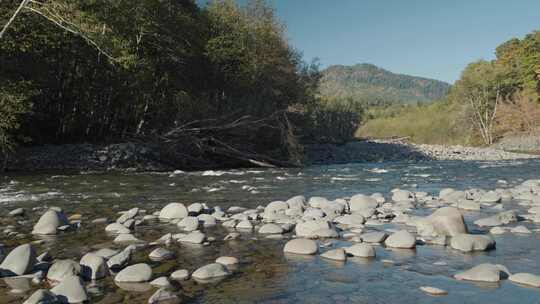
point(433, 290)
point(180, 275)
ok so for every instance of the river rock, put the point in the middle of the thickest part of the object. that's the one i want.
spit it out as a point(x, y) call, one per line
point(270, 229)
point(49, 222)
point(17, 212)
point(315, 229)
point(163, 295)
point(93, 267)
point(528, 279)
point(520, 229)
point(173, 211)
point(497, 230)
point(106, 253)
point(227, 260)
point(19, 261)
point(446, 221)
point(134, 274)
point(401, 239)
point(361, 250)
point(161, 254)
point(351, 220)
point(194, 237)
point(128, 215)
point(483, 273)
point(195, 208)
point(472, 242)
point(207, 220)
point(490, 197)
point(374, 237)
point(127, 238)
point(338, 254)
point(210, 271)
point(244, 225)
point(433, 290)
point(119, 260)
point(402, 195)
point(360, 202)
point(63, 268)
point(180, 275)
point(71, 290)
point(301, 246)
point(117, 228)
point(502, 218)
point(189, 223)
point(42, 296)
point(275, 210)
point(161, 282)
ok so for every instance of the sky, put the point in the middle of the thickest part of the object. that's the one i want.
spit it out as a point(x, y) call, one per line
point(428, 38)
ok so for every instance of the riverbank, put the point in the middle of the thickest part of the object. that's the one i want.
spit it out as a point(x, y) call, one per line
point(400, 150)
point(146, 157)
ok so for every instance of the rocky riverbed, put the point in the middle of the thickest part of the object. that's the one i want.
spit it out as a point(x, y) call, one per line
point(412, 243)
point(399, 150)
point(146, 157)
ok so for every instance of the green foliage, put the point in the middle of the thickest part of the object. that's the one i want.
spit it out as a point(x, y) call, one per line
point(333, 120)
point(13, 105)
point(371, 85)
point(437, 123)
point(108, 70)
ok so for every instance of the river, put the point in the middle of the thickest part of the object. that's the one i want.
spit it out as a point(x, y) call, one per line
point(265, 274)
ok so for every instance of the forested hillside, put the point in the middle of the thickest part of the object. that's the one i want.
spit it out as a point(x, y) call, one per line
point(368, 84)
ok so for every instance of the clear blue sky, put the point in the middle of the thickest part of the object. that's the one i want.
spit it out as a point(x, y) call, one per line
point(429, 38)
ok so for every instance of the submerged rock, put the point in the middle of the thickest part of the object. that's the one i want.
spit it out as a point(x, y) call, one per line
point(484, 273)
point(528, 279)
point(163, 295)
point(433, 290)
point(210, 271)
point(338, 254)
point(42, 296)
point(472, 242)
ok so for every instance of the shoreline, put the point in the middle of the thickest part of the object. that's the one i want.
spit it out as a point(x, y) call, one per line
point(140, 157)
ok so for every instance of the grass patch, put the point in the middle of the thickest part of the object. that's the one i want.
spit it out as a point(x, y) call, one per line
point(437, 123)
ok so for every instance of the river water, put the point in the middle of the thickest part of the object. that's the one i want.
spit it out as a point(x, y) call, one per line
point(265, 274)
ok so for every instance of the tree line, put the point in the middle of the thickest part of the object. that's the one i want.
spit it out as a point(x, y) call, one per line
point(102, 71)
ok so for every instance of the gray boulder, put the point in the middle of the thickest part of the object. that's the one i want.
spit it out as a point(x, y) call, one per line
point(401, 239)
point(173, 211)
point(484, 273)
point(301, 246)
point(134, 274)
point(19, 261)
point(472, 242)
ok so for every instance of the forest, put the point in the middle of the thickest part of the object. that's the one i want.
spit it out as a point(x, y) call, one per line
point(490, 100)
point(218, 80)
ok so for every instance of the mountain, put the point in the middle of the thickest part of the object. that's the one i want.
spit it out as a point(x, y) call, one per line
point(368, 83)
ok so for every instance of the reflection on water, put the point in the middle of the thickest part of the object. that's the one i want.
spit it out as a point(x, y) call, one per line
point(265, 274)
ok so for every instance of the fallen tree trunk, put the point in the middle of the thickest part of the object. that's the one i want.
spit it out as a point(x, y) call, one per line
point(244, 141)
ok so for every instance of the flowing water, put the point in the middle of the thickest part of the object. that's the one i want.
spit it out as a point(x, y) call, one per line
point(265, 274)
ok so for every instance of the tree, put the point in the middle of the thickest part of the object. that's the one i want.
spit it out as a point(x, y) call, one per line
point(482, 88)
